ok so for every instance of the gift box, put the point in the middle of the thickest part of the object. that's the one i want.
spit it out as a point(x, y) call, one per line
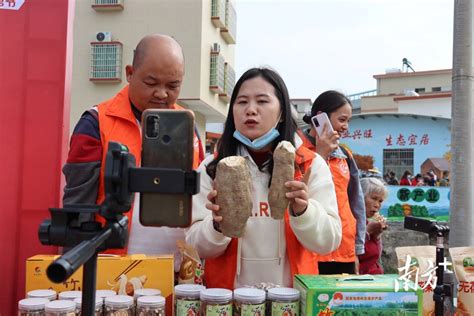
point(358, 295)
point(123, 274)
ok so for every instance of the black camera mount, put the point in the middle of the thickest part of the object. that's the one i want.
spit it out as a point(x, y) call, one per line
point(67, 229)
point(439, 231)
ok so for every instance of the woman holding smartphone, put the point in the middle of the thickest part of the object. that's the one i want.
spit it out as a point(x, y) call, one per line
point(350, 199)
point(270, 251)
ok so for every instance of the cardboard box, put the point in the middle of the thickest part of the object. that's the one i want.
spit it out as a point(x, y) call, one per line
point(356, 295)
point(119, 273)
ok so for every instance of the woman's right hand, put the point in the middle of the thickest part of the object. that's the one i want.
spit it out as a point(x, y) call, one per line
point(327, 142)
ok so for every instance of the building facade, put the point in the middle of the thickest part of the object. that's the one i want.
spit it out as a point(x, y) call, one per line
point(107, 31)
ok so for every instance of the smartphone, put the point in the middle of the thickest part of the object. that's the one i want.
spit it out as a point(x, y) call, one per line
point(167, 142)
point(319, 121)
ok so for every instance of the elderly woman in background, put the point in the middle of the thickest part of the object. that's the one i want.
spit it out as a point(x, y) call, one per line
point(375, 193)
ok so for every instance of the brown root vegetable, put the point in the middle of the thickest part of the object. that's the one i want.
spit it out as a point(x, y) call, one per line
point(283, 171)
point(234, 195)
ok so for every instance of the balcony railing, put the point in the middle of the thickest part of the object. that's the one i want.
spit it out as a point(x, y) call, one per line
point(229, 31)
point(229, 81)
point(217, 75)
point(218, 13)
point(107, 5)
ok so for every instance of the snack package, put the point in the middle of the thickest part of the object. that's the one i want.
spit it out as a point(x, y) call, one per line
point(423, 259)
point(283, 171)
point(191, 270)
point(463, 262)
point(234, 196)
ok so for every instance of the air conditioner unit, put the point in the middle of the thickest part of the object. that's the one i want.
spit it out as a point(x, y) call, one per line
point(103, 36)
point(216, 48)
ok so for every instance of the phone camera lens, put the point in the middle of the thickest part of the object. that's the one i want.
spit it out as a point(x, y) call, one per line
point(166, 139)
point(152, 126)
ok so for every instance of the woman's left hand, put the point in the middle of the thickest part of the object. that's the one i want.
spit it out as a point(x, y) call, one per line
point(298, 194)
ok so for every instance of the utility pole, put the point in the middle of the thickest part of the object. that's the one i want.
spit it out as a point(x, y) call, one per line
point(462, 138)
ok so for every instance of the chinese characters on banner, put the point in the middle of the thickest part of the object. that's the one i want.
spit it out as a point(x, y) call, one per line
point(398, 140)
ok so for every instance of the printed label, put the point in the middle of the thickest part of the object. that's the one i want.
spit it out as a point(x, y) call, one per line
point(188, 308)
point(219, 310)
point(253, 310)
point(285, 308)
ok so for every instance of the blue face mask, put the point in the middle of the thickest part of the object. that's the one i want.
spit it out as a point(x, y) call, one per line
point(260, 142)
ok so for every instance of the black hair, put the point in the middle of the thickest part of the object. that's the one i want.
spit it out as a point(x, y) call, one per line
point(328, 101)
point(227, 145)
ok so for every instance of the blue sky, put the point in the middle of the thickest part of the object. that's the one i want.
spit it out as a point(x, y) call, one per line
point(318, 45)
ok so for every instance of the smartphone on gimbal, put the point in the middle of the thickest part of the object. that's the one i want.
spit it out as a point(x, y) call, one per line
point(167, 142)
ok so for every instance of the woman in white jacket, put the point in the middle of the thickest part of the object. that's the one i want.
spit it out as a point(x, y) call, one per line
point(270, 251)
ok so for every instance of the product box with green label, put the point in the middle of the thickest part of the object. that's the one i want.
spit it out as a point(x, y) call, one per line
point(357, 295)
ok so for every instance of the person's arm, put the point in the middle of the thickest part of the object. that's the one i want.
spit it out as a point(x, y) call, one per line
point(318, 228)
point(202, 234)
point(357, 205)
point(82, 168)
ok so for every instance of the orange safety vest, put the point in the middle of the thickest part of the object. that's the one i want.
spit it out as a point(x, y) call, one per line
point(341, 176)
point(117, 123)
point(220, 271)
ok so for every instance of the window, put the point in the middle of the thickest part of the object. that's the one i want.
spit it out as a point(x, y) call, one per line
point(106, 61)
point(436, 89)
point(419, 90)
point(398, 160)
point(217, 78)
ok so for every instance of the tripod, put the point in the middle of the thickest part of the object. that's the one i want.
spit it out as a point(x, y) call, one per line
point(442, 291)
point(121, 179)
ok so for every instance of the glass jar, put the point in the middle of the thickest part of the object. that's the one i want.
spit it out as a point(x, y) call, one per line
point(32, 306)
point(146, 292)
point(60, 308)
point(151, 306)
point(119, 305)
point(283, 301)
point(48, 294)
point(99, 302)
point(216, 302)
point(249, 302)
point(69, 295)
point(187, 299)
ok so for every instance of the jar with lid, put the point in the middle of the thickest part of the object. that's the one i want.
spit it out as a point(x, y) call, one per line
point(249, 302)
point(283, 301)
point(145, 292)
point(69, 295)
point(60, 308)
point(98, 305)
point(215, 302)
point(102, 294)
point(32, 306)
point(151, 306)
point(119, 305)
point(48, 294)
point(187, 299)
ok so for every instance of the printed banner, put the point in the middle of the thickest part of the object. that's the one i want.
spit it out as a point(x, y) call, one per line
point(428, 202)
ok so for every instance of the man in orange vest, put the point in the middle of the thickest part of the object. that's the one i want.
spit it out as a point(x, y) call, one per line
point(155, 79)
